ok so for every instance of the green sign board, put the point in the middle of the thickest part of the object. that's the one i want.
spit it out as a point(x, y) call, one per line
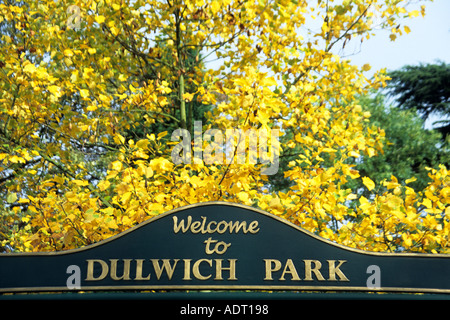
point(222, 246)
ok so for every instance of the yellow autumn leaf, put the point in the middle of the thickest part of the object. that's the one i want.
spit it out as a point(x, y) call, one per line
point(126, 221)
point(368, 183)
point(140, 154)
point(80, 182)
point(351, 196)
point(119, 139)
point(371, 152)
point(215, 6)
point(354, 154)
point(188, 96)
point(116, 165)
point(12, 197)
point(162, 135)
point(71, 196)
point(24, 200)
point(68, 53)
point(407, 239)
point(55, 90)
point(243, 196)
point(414, 13)
point(143, 143)
point(148, 172)
point(160, 198)
point(33, 209)
point(269, 82)
point(16, 159)
point(108, 211)
point(84, 93)
point(100, 19)
point(111, 223)
point(433, 210)
point(115, 31)
point(103, 185)
point(427, 203)
point(276, 203)
point(410, 180)
point(366, 67)
point(29, 67)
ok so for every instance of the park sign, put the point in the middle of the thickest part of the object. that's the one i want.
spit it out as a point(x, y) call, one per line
point(222, 246)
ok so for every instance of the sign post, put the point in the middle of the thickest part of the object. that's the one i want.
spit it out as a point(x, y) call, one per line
point(222, 246)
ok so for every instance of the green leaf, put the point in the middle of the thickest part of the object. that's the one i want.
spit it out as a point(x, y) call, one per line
point(11, 197)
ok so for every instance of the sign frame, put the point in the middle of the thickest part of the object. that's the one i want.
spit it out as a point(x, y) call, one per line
point(278, 269)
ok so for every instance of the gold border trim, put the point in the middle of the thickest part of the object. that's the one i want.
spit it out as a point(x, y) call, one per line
point(227, 287)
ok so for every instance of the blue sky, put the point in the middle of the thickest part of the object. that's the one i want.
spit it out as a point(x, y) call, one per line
point(428, 41)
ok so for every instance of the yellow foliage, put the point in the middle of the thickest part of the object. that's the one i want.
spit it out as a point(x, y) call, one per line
point(73, 105)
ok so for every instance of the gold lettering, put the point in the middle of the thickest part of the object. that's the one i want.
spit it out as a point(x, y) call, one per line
point(187, 269)
point(292, 270)
point(238, 226)
point(309, 270)
point(269, 269)
point(203, 225)
point(333, 270)
point(196, 271)
point(90, 270)
point(225, 225)
point(139, 267)
point(166, 265)
point(177, 227)
point(126, 269)
point(195, 227)
point(208, 242)
point(252, 226)
point(231, 268)
point(213, 226)
point(209, 230)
